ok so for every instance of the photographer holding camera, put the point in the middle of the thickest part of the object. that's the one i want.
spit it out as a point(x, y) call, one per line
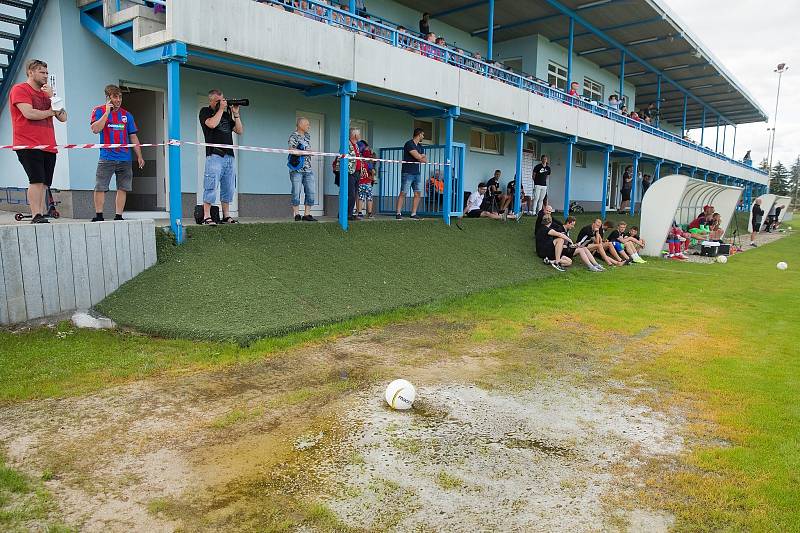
point(220, 121)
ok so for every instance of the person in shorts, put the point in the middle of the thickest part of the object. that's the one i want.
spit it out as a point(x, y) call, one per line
point(757, 215)
point(411, 173)
point(115, 126)
point(32, 124)
point(365, 185)
point(301, 175)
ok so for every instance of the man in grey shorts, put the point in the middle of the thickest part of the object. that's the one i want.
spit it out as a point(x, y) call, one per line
point(115, 126)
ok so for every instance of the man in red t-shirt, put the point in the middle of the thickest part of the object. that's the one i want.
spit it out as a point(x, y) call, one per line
point(32, 122)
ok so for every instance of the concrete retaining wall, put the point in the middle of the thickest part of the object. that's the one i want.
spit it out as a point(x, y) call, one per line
point(46, 269)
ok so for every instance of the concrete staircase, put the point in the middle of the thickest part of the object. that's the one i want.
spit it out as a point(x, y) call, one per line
point(147, 28)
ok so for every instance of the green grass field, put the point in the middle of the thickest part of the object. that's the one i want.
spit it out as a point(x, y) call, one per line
point(244, 282)
point(724, 342)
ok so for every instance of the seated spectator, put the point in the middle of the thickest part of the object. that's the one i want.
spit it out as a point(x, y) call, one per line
point(473, 208)
point(717, 230)
point(526, 202)
point(574, 248)
point(609, 246)
point(635, 116)
point(624, 110)
point(625, 246)
point(573, 89)
point(703, 218)
point(677, 242)
point(427, 49)
point(591, 237)
point(494, 196)
point(550, 244)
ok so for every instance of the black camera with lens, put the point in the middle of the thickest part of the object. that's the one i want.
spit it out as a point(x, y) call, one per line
point(244, 102)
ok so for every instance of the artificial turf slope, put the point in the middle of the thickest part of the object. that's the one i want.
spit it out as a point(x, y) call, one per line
point(252, 280)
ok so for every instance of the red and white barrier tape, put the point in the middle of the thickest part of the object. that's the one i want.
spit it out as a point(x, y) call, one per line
point(174, 142)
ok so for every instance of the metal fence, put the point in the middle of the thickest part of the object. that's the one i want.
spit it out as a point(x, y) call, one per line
point(433, 185)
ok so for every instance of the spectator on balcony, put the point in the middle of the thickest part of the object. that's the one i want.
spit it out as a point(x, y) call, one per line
point(424, 24)
point(411, 173)
point(624, 110)
point(613, 102)
point(427, 49)
point(627, 187)
point(541, 173)
point(635, 116)
point(747, 159)
point(361, 8)
point(573, 89)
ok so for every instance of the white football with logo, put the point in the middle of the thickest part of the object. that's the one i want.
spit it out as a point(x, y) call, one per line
point(400, 394)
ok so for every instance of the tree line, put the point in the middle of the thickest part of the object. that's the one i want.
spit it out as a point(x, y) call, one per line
point(783, 181)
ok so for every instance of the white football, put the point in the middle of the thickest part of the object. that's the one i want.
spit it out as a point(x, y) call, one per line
point(782, 265)
point(400, 394)
point(722, 259)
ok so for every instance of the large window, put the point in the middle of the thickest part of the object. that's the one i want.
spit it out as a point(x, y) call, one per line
point(592, 90)
point(483, 141)
point(580, 158)
point(557, 75)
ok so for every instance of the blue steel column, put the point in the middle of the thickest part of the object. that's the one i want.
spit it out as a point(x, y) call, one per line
point(447, 204)
point(658, 102)
point(174, 130)
point(635, 178)
point(678, 168)
point(716, 143)
point(346, 92)
point(621, 76)
point(685, 104)
point(657, 173)
point(490, 33)
point(352, 6)
point(570, 51)
point(604, 197)
point(703, 128)
point(733, 149)
point(521, 130)
point(568, 174)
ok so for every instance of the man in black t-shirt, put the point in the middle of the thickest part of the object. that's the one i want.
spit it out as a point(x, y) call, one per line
point(591, 236)
point(411, 173)
point(541, 173)
point(219, 124)
point(757, 214)
point(494, 199)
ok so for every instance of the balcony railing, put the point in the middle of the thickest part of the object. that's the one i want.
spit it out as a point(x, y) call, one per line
point(390, 34)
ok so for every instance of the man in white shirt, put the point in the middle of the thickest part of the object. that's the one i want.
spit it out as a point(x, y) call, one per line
point(473, 207)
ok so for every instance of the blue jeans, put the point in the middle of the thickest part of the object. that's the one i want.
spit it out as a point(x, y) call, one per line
point(306, 180)
point(415, 180)
point(223, 171)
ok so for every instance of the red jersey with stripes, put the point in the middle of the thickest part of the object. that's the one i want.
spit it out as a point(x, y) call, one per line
point(119, 127)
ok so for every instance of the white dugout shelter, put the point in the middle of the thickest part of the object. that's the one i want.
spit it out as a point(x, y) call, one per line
point(681, 198)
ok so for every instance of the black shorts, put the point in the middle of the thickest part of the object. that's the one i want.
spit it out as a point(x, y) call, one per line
point(547, 252)
point(474, 213)
point(568, 251)
point(756, 225)
point(38, 164)
point(626, 195)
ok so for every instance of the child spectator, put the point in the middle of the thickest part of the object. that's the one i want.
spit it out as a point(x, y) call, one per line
point(365, 184)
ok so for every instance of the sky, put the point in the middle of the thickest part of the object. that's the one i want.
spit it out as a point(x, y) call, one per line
point(750, 38)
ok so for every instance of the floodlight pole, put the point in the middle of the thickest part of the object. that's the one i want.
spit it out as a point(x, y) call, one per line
point(780, 69)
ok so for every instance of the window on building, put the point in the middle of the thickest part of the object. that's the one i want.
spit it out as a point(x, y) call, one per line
point(557, 75)
point(580, 158)
point(532, 147)
point(592, 90)
point(429, 126)
point(483, 141)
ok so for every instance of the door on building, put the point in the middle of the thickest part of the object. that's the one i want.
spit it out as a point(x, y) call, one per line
point(613, 185)
point(149, 195)
point(528, 157)
point(201, 166)
point(317, 132)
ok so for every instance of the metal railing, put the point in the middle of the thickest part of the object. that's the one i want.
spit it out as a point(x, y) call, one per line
point(388, 33)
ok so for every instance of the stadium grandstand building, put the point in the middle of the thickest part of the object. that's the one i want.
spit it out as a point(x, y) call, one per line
point(494, 96)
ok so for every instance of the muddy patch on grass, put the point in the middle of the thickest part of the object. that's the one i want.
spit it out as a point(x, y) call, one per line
point(469, 459)
point(505, 435)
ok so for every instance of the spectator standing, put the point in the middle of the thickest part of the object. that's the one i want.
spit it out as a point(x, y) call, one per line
point(573, 89)
point(748, 159)
point(646, 181)
point(32, 124)
point(115, 126)
point(300, 173)
point(541, 173)
point(411, 173)
point(424, 24)
point(627, 187)
point(219, 123)
point(757, 215)
point(355, 168)
point(613, 102)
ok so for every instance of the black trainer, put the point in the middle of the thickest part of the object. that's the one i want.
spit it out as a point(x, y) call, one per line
point(298, 218)
point(398, 216)
point(39, 219)
point(309, 218)
point(118, 217)
point(98, 218)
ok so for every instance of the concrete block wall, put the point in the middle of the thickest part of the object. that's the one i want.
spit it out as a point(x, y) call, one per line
point(46, 269)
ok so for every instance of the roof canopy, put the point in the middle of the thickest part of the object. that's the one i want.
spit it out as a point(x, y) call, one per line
point(647, 30)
